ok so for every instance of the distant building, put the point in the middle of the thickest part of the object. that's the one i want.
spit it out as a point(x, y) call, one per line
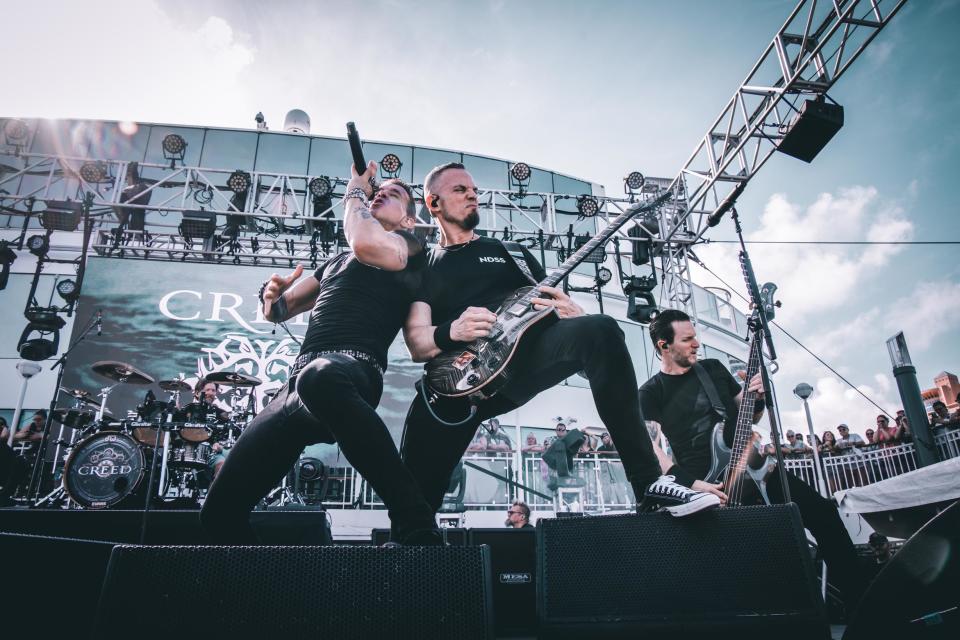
point(946, 388)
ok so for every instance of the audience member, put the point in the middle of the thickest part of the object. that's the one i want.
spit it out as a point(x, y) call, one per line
point(532, 446)
point(496, 439)
point(794, 444)
point(940, 415)
point(848, 442)
point(829, 445)
point(606, 446)
point(887, 435)
point(881, 548)
point(518, 516)
point(871, 439)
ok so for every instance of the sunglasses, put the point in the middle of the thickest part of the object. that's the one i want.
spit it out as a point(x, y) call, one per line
point(515, 513)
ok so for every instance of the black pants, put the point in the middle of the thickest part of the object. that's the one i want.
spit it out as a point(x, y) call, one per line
point(593, 344)
point(821, 517)
point(333, 399)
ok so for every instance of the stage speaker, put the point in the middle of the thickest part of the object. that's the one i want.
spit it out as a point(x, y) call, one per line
point(513, 563)
point(453, 536)
point(811, 129)
point(917, 594)
point(51, 584)
point(712, 574)
point(297, 592)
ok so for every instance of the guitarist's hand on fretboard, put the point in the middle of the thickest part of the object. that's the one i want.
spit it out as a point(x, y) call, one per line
point(756, 385)
point(564, 304)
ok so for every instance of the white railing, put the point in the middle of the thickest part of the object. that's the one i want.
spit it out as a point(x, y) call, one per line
point(860, 467)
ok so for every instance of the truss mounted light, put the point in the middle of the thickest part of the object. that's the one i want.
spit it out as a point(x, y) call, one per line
point(94, 172)
point(634, 180)
point(61, 215)
point(521, 172)
point(587, 205)
point(198, 225)
point(320, 187)
point(68, 290)
point(41, 337)
point(174, 148)
point(39, 244)
point(597, 256)
point(16, 131)
point(390, 164)
point(239, 181)
point(604, 275)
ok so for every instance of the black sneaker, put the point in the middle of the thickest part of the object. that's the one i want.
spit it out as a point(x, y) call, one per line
point(666, 495)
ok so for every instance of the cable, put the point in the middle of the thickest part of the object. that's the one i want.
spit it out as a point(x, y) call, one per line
point(801, 345)
point(854, 242)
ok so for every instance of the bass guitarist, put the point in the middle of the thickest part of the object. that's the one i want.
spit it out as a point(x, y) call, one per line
point(468, 276)
point(677, 400)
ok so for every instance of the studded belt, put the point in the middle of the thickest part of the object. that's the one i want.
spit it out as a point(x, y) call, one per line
point(306, 358)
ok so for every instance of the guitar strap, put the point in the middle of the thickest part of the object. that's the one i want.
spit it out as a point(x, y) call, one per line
point(711, 390)
point(515, 251)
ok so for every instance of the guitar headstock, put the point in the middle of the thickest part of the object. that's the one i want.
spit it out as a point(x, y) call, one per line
point(767, 301)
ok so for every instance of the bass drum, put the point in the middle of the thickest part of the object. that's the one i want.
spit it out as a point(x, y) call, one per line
point(103, 470)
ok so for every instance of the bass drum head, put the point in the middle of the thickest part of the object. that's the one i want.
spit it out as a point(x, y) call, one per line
point(103, 470)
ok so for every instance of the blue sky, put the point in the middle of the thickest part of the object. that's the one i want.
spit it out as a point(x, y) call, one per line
point(592, 89)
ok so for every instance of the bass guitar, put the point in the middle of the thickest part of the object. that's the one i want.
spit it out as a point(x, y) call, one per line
point(731, 465)
point(481, 368)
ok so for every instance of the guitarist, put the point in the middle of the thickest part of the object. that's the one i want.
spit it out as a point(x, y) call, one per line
point(467, 277)
point(676, 399)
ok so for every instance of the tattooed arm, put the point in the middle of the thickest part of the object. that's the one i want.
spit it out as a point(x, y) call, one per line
point(370, 241)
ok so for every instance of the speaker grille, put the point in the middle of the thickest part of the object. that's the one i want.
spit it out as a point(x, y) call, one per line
point(299, 592)
point(735, 562)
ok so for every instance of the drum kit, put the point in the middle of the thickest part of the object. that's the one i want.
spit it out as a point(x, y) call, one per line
point(108, 460)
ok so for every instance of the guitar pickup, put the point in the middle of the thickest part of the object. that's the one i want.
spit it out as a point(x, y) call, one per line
point(517, 309)
point(495, 332)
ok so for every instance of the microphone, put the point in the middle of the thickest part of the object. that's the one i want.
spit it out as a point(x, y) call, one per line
point(99, 321)
point(727, 204)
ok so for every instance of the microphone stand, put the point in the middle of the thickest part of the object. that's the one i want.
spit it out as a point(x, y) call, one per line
point(34, 488)
point(772, 416)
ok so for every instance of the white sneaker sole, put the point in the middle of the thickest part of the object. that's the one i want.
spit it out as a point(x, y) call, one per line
point(705, 501)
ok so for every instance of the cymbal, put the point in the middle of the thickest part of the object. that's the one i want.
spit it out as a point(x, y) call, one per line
point(174, 385)
point(75, 418)
point(81, 395)
point(121, 372)
point(232, 379)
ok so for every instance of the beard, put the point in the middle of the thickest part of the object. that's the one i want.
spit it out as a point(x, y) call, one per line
point(507, 523)
point(470, 222)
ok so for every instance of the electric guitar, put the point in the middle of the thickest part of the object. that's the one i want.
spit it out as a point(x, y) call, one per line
point(730, 464)
point(481, 368)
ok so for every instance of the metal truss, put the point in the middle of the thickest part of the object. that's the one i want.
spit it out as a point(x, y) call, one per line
point(815, 46)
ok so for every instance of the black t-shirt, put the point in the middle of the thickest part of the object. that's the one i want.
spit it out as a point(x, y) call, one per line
point(681, 406)
point(479, 273)
point(361, 307)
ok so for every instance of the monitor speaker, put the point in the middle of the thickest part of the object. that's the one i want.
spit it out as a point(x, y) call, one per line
point(513, 562)
point(297, 592)
point(712, 574)
point(811, 129)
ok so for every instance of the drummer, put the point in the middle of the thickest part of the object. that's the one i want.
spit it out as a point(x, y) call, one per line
point(208, 393)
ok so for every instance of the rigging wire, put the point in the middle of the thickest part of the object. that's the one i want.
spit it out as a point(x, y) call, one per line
point(841, 242)
point(800, 344)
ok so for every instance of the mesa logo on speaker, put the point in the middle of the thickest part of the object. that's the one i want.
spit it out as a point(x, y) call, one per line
point(516, 578)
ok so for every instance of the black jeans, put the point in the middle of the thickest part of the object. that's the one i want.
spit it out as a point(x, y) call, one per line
point(593, 344)
point(333, 399)
point(821, 517)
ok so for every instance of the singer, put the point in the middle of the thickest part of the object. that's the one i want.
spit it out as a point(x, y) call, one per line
point(359, 300)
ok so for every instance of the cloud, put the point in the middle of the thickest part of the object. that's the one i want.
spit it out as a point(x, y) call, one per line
point(820, 277)
point(931, 311)
point(833, 402)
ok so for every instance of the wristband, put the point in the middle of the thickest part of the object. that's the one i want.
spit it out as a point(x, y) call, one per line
point(441, 337)
point(357, 193)
point(278, 310)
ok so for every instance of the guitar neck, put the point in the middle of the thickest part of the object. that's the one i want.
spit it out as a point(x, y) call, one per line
point(743, 435)
point(578, 256)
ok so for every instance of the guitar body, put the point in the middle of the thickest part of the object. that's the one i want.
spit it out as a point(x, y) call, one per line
point(486, 364)
point(720, 455)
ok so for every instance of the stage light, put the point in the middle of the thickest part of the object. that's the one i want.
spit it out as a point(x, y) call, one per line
point(16, 131)
point(38, 245)
point(587, 206)
point(68, 290)
point(174, 144)
point(634, 180)
point(604, 276)
point(643, 310)
point(521, 172)
point(320, 187)
point(93, 172)
point(239, 182)
point(597, 256)
point(7, 256)
point(198, 225)
point(46, 324)
point(61, 215)
point(174, 148)
point(390, 165)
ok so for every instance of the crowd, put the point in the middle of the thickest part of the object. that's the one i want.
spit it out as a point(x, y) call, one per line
point(492, 438)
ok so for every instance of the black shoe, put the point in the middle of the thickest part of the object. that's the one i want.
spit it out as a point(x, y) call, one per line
point(423, 538)
point(666, 495)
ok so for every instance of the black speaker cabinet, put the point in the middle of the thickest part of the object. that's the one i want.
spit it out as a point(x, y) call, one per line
point(52, 584)
point(513, 562)
point(811, 129)
point(711, 574)
point(453, 536)
point(917, 594)
point(297, 592)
